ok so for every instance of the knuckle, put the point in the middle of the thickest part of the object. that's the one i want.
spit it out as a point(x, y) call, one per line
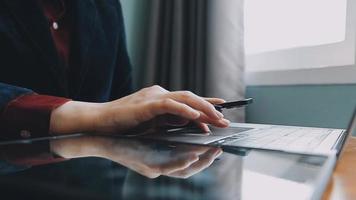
point(187, 94)
point(145, 89)
point(157, 88)
point(152, 88)
point(182, 109)
point(145, 92)
point(156, 169)
point(152, 175)
point(182, 174)
point(151, 167)
point(166, 103)
point(207, 105)
point(210, 106)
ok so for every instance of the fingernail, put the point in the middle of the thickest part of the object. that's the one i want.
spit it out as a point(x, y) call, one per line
point(225, 122)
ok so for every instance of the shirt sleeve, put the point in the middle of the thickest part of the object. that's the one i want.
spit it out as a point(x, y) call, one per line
point(27, 117)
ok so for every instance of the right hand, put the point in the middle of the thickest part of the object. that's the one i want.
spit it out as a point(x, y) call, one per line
point(153, 105)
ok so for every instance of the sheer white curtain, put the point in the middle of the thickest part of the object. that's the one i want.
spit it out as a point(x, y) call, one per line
point(226, 52)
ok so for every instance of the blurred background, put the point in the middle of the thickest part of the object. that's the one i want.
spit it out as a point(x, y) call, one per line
point(296, 58)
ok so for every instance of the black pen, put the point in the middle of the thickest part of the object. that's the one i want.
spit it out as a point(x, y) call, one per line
point(233, 104)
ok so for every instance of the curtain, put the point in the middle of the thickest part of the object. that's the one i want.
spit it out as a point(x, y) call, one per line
point(225, 60)
point(192, 45)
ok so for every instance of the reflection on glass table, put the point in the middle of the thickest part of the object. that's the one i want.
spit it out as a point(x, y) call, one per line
point(135, 169)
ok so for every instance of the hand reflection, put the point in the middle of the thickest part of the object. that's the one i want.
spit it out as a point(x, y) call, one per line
point(181, 161)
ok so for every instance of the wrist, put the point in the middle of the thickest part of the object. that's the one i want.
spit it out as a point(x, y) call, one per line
point(75, 116)
point(88, 146)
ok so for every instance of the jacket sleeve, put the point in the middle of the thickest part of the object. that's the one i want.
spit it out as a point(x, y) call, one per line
point(25, 115)
point(8, 93)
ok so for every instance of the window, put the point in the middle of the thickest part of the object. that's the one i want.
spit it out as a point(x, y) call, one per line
point(282, 36)
point(282, 24)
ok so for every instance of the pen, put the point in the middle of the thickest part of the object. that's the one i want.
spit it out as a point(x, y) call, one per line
point(233, 104)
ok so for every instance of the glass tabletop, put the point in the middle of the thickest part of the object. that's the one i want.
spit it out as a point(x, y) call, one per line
point(143, 169)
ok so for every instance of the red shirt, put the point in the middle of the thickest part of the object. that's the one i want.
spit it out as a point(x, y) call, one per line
point(59, 24)
point(33, 111)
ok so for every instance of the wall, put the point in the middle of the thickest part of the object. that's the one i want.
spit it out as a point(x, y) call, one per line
point(310, 105)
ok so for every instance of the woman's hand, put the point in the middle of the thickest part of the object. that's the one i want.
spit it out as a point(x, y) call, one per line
point(180, 161)
point(150, 107)
point(153, 106)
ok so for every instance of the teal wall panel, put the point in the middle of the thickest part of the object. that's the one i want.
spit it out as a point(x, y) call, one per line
point(310, 105)
point(136, 15)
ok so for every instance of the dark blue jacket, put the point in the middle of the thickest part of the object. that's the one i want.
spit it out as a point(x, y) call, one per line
point(99, 69)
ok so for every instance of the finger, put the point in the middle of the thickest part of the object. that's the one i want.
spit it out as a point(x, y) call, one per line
point(180, 163)
point(199, 125)
point(196, 102)
point(204, 162)
point(222, 123)
point(169, 106)
point(215, 100)
point(204, 127)
point(191, 149)
point(155, 165)
point(148, 174)
point(155, 89)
